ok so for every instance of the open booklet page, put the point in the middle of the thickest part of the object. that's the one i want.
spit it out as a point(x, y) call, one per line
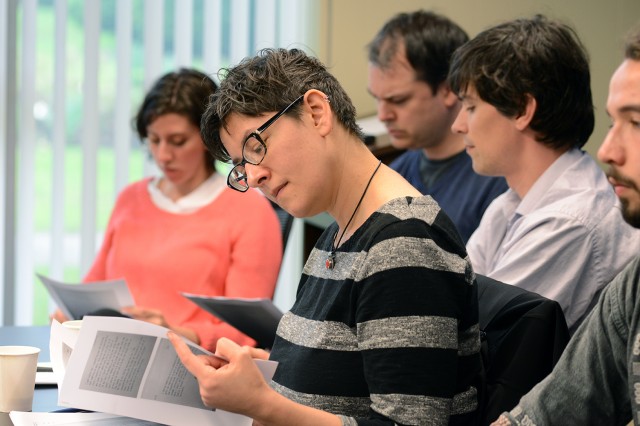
point(257, 318)
point(128, 367)
point(76, 300)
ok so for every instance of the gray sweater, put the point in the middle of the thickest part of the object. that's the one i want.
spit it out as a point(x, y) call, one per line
point(597, 380)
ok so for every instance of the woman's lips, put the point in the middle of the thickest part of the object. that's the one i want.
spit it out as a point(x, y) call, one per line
point(170, 172)
point(276, 192)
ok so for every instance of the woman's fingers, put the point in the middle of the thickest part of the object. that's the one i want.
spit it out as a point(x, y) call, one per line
point(192, 362)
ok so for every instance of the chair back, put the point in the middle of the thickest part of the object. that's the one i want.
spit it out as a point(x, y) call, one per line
point(286, 221)
point(523, 335)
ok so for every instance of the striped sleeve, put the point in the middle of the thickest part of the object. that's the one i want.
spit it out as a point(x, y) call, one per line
point(414, 327)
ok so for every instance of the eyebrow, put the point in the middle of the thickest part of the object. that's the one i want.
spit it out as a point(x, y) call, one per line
point(232, 159)
point(170, 135)
point(246, 134)
point(625, 109)
point(391, 96)
point(630, 108)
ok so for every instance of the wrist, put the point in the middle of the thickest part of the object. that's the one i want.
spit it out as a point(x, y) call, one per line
point(267, 406)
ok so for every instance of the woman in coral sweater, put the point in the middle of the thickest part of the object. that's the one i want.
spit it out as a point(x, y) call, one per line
point(185, 231)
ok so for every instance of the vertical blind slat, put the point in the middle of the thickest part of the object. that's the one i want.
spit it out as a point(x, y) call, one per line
point(4, 132)
point(266, 31)
point(90, 135)
point(212, 43)
point(153, 52)
point(59, 119)
point(26, 154)
point(240, 30)
point(8, 99)
point(122, 111)
point(153, 41)
point(183, 33)
point(289, 24)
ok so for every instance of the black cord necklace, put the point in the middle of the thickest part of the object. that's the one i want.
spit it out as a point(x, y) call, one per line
point(331, 259)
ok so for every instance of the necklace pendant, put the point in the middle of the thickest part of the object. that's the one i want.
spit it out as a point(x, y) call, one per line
point(330, 262)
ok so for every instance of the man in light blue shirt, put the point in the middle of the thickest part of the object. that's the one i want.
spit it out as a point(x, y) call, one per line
point(597, 379)
point(526, 113)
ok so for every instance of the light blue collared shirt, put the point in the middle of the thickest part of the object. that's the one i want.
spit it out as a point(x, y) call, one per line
point(566, 239)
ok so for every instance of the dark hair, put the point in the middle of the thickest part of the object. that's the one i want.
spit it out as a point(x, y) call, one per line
point(268, 82)
point(429, 41)
point(632, 46)
point(184, 92)
point(534, 57)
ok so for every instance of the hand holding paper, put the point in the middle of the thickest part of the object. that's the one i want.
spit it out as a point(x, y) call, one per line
point(237, 385)
point(128, 367)
point(76, 300)
point(153, 316)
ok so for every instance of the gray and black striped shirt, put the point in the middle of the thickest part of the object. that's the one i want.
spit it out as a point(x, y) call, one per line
point(390, 335)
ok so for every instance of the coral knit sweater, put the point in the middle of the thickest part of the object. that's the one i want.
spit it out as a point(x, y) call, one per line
point(231, 247)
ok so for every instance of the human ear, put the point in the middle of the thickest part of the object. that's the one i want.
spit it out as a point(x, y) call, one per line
point(449, 98)
point(321, 113)
point(524, 119)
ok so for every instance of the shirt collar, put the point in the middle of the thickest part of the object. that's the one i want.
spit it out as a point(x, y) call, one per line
point(204, 194)
point(547, 180)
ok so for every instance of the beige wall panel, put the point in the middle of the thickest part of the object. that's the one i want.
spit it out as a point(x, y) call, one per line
point(350, 25)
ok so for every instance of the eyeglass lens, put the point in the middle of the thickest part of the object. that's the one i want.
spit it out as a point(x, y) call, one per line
point(238, 178)
point(254, 150)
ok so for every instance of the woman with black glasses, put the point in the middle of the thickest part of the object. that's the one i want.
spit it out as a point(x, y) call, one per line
point(384, 329)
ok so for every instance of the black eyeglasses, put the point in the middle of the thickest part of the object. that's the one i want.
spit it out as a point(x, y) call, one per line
point(253, 152)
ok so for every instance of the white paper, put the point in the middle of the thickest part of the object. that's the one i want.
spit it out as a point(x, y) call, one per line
point(62, 340)
point(128, 367)
point(76, 300)
point(22, 418)
point(257, 318)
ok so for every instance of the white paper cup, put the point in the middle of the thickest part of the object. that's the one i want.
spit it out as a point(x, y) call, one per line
point(18, 365)
point(73, 325)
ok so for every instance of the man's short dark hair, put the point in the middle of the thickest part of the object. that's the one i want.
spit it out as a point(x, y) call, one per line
point(632, 46)
point(534, 57)
point(429, 41)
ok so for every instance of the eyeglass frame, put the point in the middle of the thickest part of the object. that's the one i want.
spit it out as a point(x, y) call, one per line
point(256, 135)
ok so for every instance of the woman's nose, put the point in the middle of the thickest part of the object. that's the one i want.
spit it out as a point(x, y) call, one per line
point(163, 152)
point(256, 175)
